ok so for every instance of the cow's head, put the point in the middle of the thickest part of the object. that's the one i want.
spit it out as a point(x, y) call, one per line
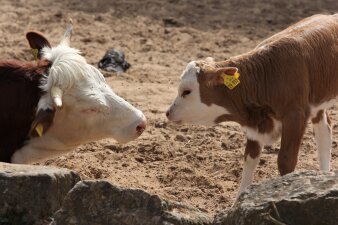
point(78, 105)
point(199, 97)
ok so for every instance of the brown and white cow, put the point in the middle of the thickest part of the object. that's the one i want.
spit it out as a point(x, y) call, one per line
point(286, 80)
point(52, 106)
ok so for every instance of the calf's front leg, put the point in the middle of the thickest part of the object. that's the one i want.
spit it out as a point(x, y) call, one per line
point(251, 158)
point(294, 124)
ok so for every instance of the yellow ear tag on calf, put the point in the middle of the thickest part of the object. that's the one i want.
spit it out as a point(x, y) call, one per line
point(231, 81)
point(35, 53)
point(39, 129)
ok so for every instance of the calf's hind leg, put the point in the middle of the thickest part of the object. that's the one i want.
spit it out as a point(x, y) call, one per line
point(323, 137)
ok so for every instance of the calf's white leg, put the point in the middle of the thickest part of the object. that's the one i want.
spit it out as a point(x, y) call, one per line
point(251, 160)
point(323, 137)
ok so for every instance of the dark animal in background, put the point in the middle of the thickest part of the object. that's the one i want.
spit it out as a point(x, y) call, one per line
point(114, 61)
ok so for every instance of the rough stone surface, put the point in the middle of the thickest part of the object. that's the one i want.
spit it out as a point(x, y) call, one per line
point(29, 193)
point(101, 203)
point(303, 198)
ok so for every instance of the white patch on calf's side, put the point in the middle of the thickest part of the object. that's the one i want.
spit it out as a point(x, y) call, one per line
point(190, 109)
point(265, 138)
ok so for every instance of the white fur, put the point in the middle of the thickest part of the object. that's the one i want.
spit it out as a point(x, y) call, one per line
point(323, 135)
point(190, 109)
point(45, 102)
point(249, 168)
point(314, 109)
point(68, 67)
point(91, 110)
point(250, 164)
point(265, 138)
point(323, 140)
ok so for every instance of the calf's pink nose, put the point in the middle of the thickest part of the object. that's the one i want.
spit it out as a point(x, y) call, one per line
point(141, 127)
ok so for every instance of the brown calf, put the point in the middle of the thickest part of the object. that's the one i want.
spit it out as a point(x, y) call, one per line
point(274, 90)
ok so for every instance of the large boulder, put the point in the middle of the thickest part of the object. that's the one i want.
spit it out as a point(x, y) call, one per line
point(302, 198)
point(101, 203)
point(29, 193)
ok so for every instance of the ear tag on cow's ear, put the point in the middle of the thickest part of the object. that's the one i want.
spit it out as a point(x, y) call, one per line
point(231, 81)
point(35, 53)
point(39, 129)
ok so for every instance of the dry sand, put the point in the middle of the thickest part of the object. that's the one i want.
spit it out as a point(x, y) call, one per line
point(200, 166)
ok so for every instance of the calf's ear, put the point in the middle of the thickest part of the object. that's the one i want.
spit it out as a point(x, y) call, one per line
point(37, 42)
point(227, 71)
point(216, 76)
point(42, 122)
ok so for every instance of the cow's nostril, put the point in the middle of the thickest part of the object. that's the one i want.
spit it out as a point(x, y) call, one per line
point(167, 113)
point(141, 127)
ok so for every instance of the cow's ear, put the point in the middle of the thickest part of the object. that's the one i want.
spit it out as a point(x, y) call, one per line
point(42, 122)
point(216, 76)
point(37, 42)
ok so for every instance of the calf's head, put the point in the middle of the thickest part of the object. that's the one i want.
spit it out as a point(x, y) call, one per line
point(78, 105)
point(200, 94)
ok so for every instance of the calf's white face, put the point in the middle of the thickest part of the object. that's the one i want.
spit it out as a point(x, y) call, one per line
point(187, 107)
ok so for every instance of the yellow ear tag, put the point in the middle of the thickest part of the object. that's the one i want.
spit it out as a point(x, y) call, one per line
point(39, 129)
point(35, 53)
point(231, 81)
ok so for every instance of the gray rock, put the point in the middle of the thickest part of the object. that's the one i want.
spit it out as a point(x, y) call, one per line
point(303, 198)
point(29, 193)
point(101, 203)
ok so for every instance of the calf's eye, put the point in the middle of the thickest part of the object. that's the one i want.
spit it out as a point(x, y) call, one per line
point(185, 93)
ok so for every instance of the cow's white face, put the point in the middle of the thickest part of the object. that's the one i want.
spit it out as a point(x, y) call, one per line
point(187, 106)
point(78, 105)
point(90, 109)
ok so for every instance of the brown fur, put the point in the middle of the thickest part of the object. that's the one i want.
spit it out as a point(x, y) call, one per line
point(318, 117)
point(19, 97)
point(252, 148)
point(281, 78)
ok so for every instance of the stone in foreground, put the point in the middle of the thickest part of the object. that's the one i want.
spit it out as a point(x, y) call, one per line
point(303, 198)
point(101, 203)
point(29, 193)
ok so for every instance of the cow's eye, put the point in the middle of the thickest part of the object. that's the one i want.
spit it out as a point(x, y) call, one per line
point(185, 93)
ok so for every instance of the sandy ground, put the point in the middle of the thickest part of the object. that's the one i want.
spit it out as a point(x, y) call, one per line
point(200, 166)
